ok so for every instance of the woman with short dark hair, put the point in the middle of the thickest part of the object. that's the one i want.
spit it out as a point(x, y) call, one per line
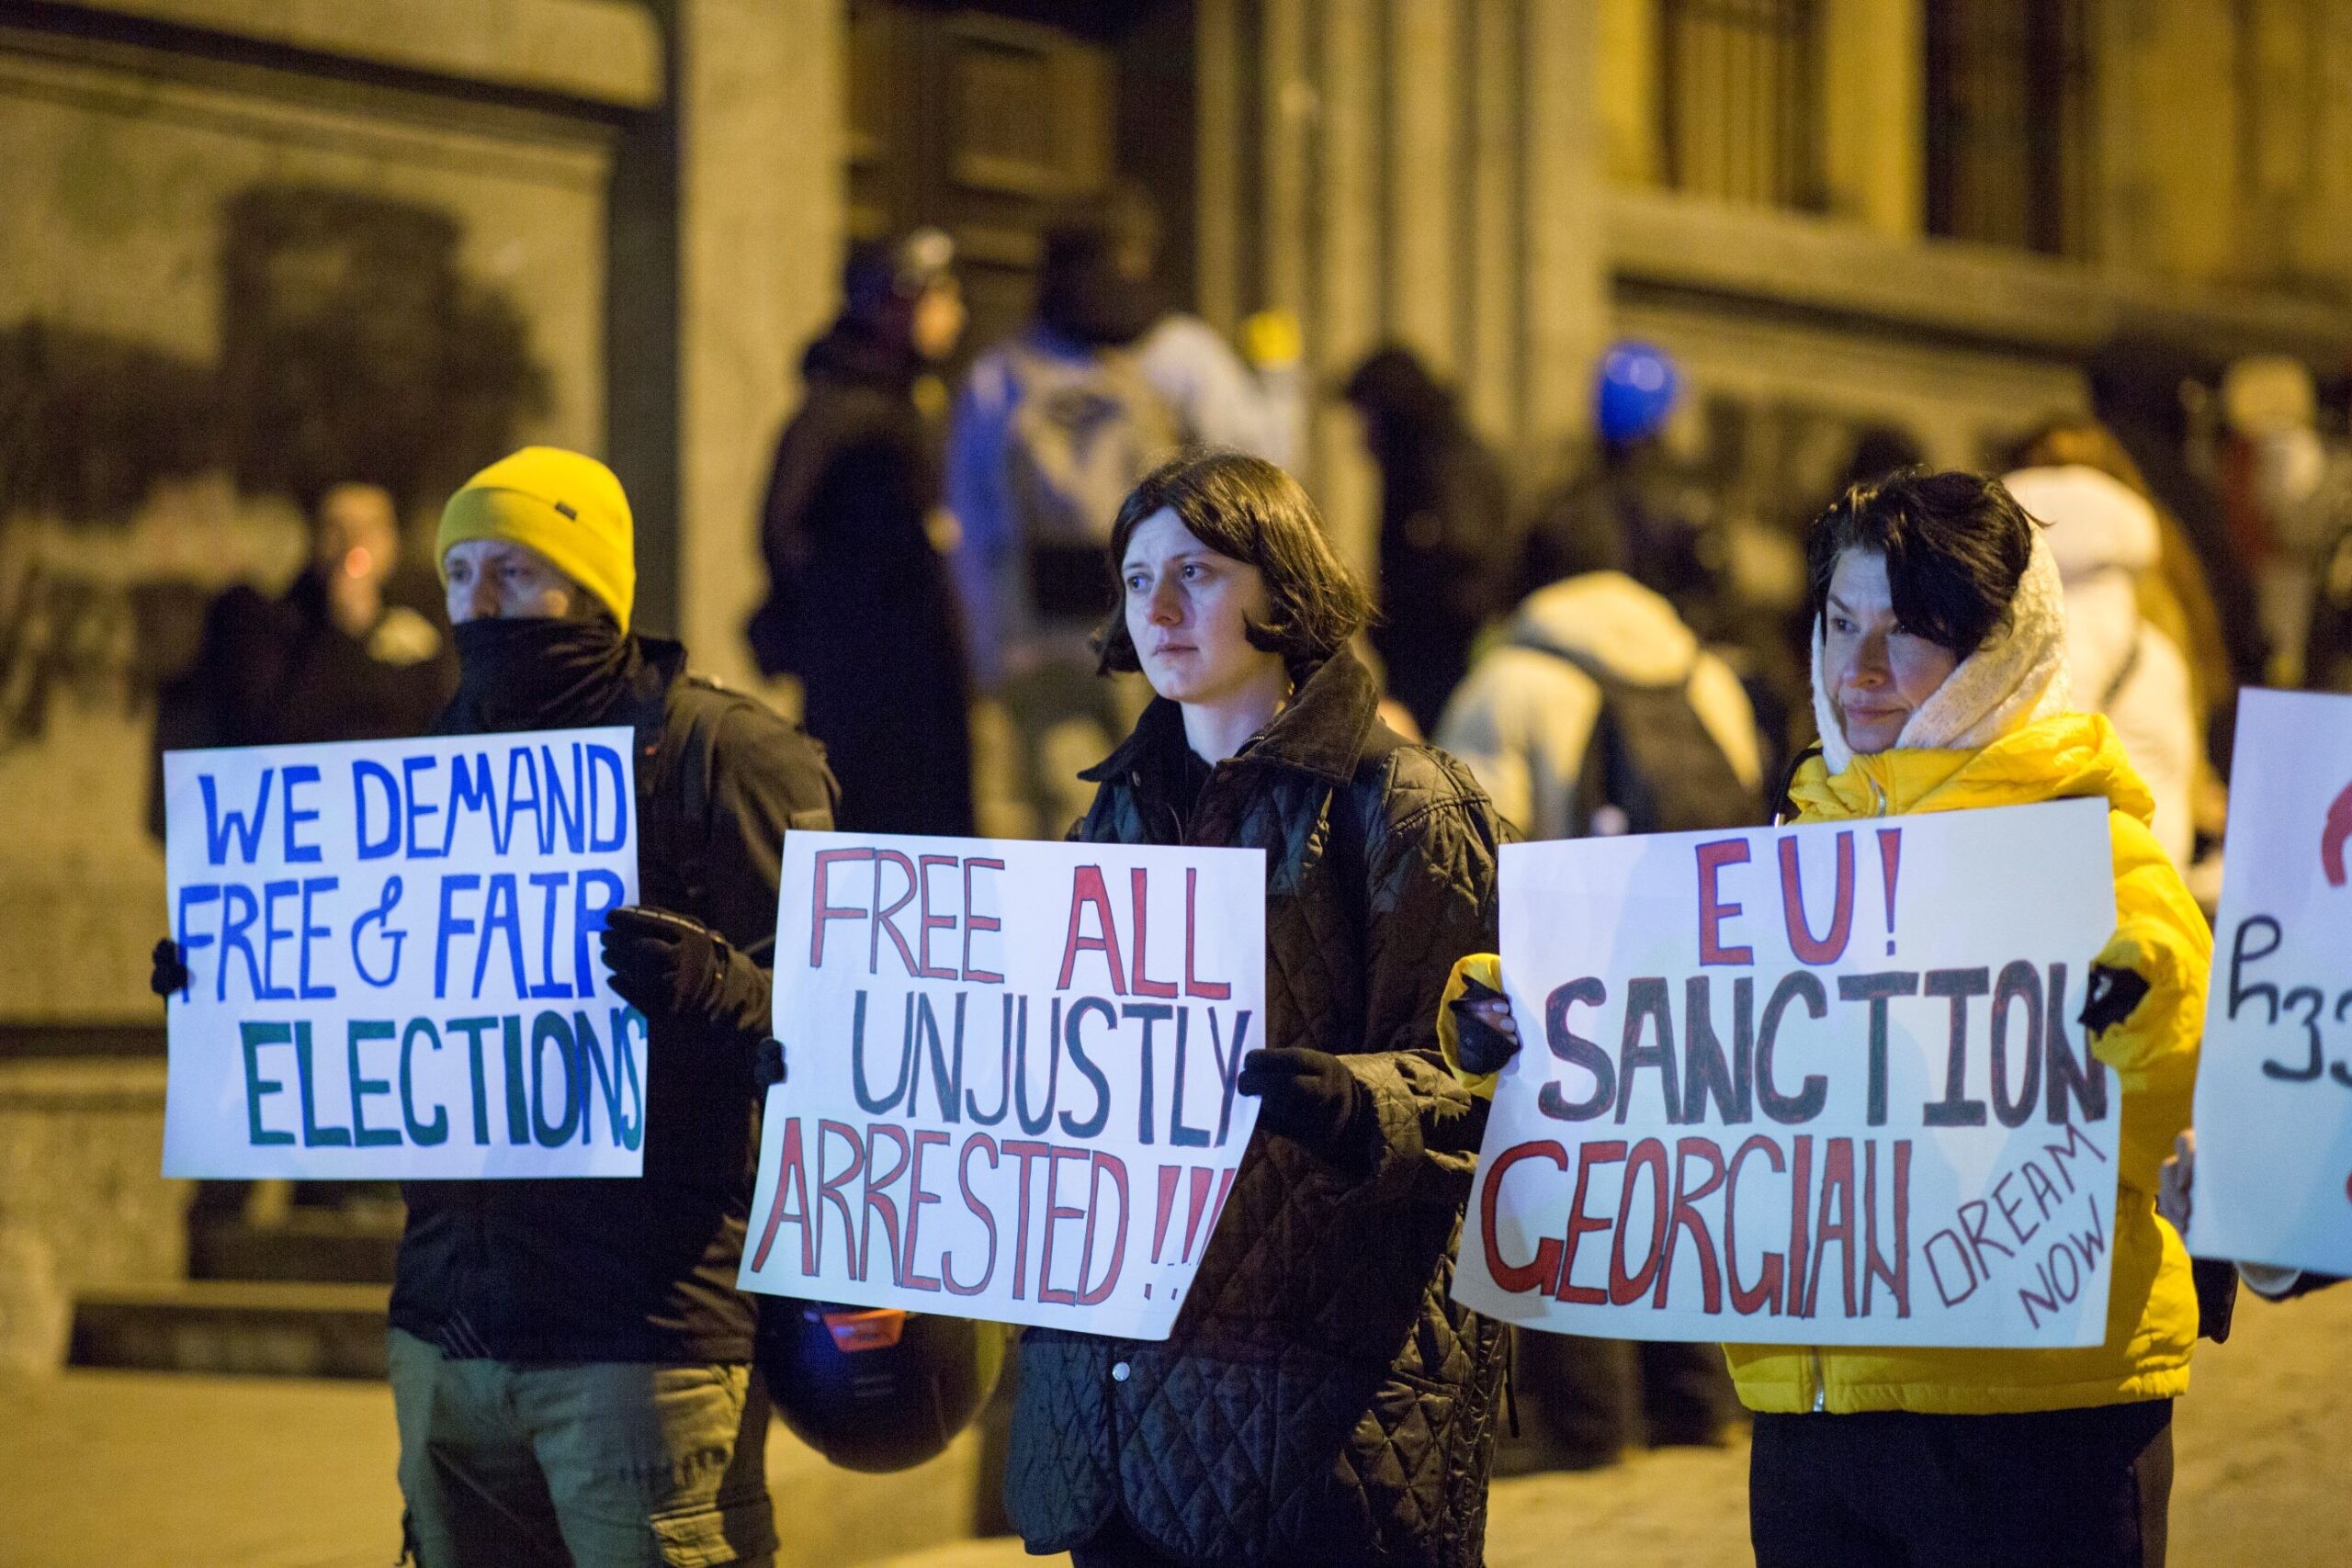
point(1321, 1399)
point(1940, 684)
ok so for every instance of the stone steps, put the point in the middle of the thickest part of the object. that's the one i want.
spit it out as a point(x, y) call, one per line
point(317, 1246)
point(273, 1327)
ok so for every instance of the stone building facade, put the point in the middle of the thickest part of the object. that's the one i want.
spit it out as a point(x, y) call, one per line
point(659, 191)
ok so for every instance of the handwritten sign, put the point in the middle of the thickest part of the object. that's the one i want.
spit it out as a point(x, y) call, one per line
point(1012, 1065)
point(1816, 1085)
point(391, 959)
point(2274, 1081)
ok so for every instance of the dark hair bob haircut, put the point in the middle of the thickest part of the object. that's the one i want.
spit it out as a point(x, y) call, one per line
point(1956, 546)
point(1245, 508)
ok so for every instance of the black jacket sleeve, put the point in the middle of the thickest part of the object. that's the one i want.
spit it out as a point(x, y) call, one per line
point(1431, 897)
point(765, 778)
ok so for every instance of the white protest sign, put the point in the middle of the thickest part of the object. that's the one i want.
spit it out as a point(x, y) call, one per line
point(1011, 1091)
point(1818, 1085)
point(392, 961)
point(2274, 1077)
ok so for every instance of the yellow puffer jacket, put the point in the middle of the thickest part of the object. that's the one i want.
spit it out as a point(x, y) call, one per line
point(2161, 936)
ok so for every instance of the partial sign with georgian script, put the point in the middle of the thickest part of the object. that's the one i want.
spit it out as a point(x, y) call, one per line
point(2274, 1078)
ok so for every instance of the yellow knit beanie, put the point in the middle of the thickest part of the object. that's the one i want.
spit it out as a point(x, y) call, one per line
point(569, 508)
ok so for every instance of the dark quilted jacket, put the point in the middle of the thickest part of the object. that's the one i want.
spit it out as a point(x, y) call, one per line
point(1321, 1401)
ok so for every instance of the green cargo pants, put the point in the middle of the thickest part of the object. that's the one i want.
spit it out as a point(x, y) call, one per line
point(593, 1464)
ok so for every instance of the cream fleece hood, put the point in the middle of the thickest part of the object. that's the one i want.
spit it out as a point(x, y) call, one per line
point(2016, 678)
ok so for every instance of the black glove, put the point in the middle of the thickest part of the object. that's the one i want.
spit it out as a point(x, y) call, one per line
point(1479, 1045)
point(767, 1064)
point(170, 972)
point(2112, 996)
point(674, 969)
point(1307, 1095)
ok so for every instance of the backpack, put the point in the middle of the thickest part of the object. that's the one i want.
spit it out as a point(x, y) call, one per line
point(1652, 763)
point(1083, 432)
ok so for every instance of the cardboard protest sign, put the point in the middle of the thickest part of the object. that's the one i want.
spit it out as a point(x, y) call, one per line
point(1818, 1085)
point(2273, 1080)
point(391, 958)
point(1012, 1065)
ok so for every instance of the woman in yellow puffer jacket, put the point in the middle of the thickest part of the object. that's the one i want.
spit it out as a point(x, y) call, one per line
point(1940, 684)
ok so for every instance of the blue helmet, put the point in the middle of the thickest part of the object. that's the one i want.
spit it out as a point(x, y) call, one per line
point(1635, 391)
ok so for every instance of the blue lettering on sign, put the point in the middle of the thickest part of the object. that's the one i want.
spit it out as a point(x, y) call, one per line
point(423, 1133)
point(298, 853)
point(604, 763)
point(566, 814)
point(218, 827)
point(253, 1035)
point(362, 1086)
point(451, 924)
point(312, 887)
point(417, 808)
point(364, 774)
point(470, 790)
point(522, 794)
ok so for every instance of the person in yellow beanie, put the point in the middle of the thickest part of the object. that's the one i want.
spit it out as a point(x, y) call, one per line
point(570, 1359)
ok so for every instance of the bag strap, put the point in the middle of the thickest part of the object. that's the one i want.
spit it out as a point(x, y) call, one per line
point(2130, 668)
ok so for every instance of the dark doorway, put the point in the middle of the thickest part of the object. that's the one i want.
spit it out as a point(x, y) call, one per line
point(988, 119)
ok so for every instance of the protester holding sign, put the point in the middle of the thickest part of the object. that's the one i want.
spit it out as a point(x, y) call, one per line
point(1320, 1400)
point(1940, 684)
point(570, 1359)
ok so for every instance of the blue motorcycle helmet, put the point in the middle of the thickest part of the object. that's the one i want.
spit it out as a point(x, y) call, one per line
point(1635, 391)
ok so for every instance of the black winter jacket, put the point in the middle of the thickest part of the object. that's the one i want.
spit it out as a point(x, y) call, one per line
point(1322, 1400)
point(643, 1269)
point(859, 606)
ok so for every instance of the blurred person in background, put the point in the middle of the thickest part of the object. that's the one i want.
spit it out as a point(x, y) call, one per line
point(2105, 540)
point(1052, 430)
point(2327, 654)
point(1446, 529)
point(861, 607)
point(2177, 604)
point(1253, 403)
point(2143, 392)
point(1665, 518)
point(1597, 712)
point(2287, 492)
point(354, 649)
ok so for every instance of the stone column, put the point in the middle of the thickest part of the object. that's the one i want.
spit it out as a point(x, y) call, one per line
point(1486, 206)
point(1345, 208)
point(1564, 189)
point(1873, 156)
point(2169, 135)
point(761, 224)
point(1425, 80)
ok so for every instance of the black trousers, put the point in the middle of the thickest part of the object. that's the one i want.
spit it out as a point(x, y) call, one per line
point(1116, 1545)
point(2052, 1489)
point(1582, 1401)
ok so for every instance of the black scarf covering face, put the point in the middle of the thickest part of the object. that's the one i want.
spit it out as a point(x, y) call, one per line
point(543, 674)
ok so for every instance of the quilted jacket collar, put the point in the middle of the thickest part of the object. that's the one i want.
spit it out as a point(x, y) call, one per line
point(1321, 732)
